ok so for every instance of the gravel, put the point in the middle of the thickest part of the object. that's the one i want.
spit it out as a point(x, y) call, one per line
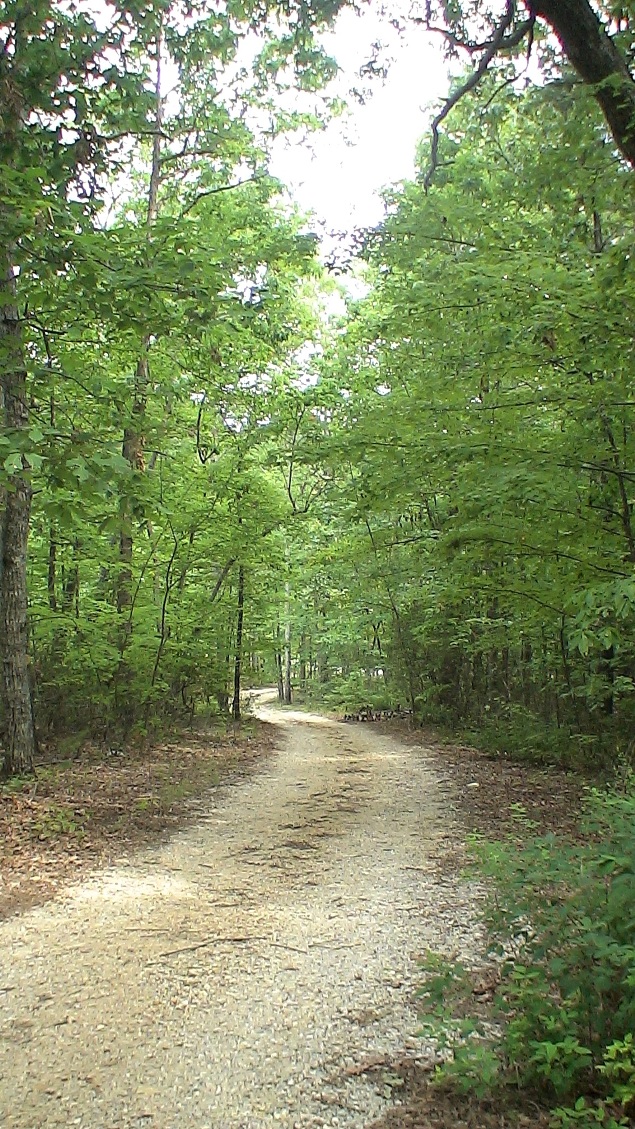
point(260, 968)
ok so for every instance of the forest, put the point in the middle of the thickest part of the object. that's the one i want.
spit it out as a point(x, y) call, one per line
point(398, 479)
point(212, 477)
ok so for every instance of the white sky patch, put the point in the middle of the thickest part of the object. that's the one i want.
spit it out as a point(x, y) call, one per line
point(338, 173)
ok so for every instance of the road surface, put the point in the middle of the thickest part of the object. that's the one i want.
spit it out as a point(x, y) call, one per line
point(259, 968)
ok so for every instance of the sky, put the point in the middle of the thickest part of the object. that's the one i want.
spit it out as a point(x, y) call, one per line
point(338, 173)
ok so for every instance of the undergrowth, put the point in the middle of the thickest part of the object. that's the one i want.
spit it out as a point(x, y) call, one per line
point(512, 731)
point(350, 692)
point(561, 933)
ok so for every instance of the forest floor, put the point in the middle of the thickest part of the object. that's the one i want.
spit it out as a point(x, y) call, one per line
point(87, 811)
point(259, 965)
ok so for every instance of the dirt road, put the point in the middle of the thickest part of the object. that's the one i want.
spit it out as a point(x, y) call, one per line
point(247, 972)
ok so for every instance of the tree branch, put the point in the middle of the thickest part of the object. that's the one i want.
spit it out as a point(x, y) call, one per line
point(598, 60)
point(222, 578)
point(593, 53)
point(489, 52)
point(221, 188)
point(507, 44)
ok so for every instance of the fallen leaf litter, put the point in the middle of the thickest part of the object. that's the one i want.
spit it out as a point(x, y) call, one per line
point(259, 968)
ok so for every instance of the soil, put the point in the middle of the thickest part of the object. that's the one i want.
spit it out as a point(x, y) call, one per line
point(489, 794)
point(258, 965)
point(75, 815)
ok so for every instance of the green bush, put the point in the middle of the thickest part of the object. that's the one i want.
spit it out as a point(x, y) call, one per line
point(561, 927)
point(350, 692)
point(518, 733)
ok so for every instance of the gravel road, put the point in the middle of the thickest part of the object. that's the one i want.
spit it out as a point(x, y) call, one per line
point(251, 971)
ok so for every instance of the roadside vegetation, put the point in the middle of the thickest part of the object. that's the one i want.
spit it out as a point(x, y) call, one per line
point(210, 477)
point(555, 1021)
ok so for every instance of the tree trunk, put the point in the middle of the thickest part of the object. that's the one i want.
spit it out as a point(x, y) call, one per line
point(287, 691)
point(278, 661)
point(599, 62)
point(286, 688)
point(239, 643)
point(17, 712)
point(51, 576)
point(51, 573)
point(132, 451)
point(133, 436)
point(70, 582)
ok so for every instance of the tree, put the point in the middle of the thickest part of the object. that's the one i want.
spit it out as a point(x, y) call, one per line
point(56, 72)
point(83, 118)
point(486, 423)
point(598, 46)
point(235, 309)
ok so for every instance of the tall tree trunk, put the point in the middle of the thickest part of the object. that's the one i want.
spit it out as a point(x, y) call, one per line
point(17, 713)
point(133, 437)
point(51, 576)
point(51, 573)
point(70, 582)
point(239, 643)
point(286, 688)
point(278, 660)
point(623, 477)
point(599, 62)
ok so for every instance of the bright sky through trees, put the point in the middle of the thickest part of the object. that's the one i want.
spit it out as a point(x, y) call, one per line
point(197, 476)
point(338, 173)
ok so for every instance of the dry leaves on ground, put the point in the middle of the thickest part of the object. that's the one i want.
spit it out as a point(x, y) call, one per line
point(74, 816)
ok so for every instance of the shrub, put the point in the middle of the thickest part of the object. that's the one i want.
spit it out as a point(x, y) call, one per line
point(561, 926)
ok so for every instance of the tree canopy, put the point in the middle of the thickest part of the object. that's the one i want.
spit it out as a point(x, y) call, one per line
point(207, 478)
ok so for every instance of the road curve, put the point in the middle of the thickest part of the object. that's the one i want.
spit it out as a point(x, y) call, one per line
point(249, 972)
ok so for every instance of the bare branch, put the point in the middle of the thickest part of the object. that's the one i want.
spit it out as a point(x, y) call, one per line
point(470, 48)
point(221, 580)
point(221, 188)
point(449, 36)
point(189, 153)
point(499, 42)
point(296, 432)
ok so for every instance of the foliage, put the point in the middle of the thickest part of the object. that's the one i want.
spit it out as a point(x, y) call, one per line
point(429, 504)
point(166, 288)
point(205, 481)
point(482, 445)
point(562, 933)
point(57, 820)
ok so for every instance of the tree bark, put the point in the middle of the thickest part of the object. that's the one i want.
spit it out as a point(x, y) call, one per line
point(598, 61)
point(133, 437)
point(239, 643)
point(51, 576)
point(70, 582)
point(17, 713)
point(278, 661)
point(286, 687)
point(595, 56)
point(51, 573)
point(132, 451)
